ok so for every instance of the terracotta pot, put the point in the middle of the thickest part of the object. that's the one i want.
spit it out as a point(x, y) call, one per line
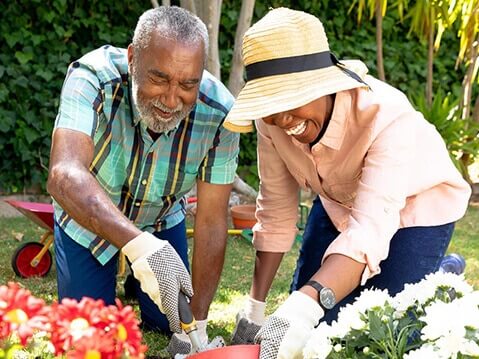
point(243, 216)
point(229, 352)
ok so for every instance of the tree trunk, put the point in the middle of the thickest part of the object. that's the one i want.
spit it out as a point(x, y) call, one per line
point(475, 112)
point(379, 41)
point(210, 11)
point(188, 5)
point(236, 82)
point(430, 62)
point(467, 83)
point(164, 2)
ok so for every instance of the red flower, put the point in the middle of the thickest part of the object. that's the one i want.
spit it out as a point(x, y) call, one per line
point(89, 328)
point(124, 331)
point(97, 346)
point(21, 313)
point(71, 320)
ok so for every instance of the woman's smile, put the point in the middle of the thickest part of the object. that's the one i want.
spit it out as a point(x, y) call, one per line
point(296, 130)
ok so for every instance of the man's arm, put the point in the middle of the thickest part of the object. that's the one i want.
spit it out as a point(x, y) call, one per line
point(80, 195)
point(71, 184)
point(211, 225)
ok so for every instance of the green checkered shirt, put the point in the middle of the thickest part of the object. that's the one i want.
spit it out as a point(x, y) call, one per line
point(145, 179)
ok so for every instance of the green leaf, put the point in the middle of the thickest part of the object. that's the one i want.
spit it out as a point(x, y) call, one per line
point(13, 38)
point(7, 120)
point(45, 74)
point(377, 329)
point(30, 134)
point(3, 92)
point(23, 57)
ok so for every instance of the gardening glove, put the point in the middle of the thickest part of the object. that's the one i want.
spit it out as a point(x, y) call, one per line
point(180, 344)
point(287, 330)
point(248, 322)
point(161, 273)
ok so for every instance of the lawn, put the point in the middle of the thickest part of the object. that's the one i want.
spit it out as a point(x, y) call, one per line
point(234, 285)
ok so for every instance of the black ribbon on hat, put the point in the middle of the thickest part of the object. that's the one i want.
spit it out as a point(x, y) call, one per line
point(287, 65)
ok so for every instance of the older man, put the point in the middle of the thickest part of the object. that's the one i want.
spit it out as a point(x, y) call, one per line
point(136, 130)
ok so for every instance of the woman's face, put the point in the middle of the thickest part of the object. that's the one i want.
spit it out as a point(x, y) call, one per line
point(304, 123)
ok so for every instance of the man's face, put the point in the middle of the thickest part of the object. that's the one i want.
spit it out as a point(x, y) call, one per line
point(165, 81)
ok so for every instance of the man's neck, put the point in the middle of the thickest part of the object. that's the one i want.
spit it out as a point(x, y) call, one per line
point(154, 135)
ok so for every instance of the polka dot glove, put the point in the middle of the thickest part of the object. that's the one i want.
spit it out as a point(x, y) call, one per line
point(287, 330)
point(161, 273)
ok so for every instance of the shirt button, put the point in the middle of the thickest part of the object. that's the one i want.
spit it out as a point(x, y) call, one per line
point(144, 182)
point(137, 204)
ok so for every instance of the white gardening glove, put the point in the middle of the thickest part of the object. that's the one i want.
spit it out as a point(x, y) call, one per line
point(248, 322)
point(180, 346)
point(161, 273)
point(287, 330)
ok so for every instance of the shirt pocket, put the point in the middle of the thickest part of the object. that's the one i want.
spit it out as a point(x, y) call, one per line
point(344, 191)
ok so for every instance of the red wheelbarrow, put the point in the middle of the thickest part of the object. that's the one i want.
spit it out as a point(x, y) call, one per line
point(34, 258)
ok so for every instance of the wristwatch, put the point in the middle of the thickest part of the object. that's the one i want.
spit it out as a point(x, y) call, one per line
point(326, 297)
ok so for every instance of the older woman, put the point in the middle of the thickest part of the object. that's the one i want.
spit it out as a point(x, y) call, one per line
point(388, 193)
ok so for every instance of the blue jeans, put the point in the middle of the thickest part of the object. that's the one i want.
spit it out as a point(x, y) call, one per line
point(413, 253)
point(79, 274)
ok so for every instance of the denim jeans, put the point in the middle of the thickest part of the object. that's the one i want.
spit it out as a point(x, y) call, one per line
point(79, 274)
point(413, 253)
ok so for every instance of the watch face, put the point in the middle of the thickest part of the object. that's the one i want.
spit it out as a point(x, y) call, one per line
point(327, 298)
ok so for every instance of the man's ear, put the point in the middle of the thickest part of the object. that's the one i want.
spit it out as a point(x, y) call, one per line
point(130, 55)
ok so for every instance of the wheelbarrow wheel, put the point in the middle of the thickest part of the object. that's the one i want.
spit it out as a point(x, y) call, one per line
point(22, 257)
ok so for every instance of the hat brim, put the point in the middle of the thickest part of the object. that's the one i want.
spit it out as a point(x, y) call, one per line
point(273, 94)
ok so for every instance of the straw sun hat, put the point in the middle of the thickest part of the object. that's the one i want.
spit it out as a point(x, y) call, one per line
point(288, 65)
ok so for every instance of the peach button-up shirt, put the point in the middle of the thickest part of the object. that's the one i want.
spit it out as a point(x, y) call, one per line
point(380, 166)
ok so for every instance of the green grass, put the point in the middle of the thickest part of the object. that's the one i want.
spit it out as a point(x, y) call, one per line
point(235, 281)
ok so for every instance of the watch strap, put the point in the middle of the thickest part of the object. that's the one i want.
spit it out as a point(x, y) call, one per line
point(315, 285)
point(318, 287)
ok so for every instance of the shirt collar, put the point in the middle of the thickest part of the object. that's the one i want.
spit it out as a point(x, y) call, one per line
point(135, 116)
point(334, 135)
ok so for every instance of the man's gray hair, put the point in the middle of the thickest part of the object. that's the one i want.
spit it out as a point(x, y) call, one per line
point(172, 22)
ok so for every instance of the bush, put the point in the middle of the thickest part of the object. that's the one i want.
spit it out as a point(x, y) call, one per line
point(39, 40)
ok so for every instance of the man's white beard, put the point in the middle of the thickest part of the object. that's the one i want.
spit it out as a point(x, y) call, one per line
point(153, 120)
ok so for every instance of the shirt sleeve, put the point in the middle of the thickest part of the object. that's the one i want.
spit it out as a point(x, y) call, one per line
point(381, 194)
point(219, 165)
point(277, 203)
point(79, 96)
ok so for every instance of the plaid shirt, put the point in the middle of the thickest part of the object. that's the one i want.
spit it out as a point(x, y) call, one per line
point(145, 179)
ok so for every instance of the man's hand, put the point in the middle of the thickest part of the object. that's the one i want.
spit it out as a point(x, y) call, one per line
point(161, 273)
point(287, 330)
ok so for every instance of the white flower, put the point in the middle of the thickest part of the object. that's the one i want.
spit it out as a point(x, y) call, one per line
point(448, 324)
point(318, 346)
point(425, 352)
point(443, 319)
point(452, 345)
point(349, 316)
point(425, 290)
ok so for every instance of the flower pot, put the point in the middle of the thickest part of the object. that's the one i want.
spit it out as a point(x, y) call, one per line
point(243, 216)
point(229, 352)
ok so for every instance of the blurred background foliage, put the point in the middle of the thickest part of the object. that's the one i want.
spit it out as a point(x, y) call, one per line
point(40, 38)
